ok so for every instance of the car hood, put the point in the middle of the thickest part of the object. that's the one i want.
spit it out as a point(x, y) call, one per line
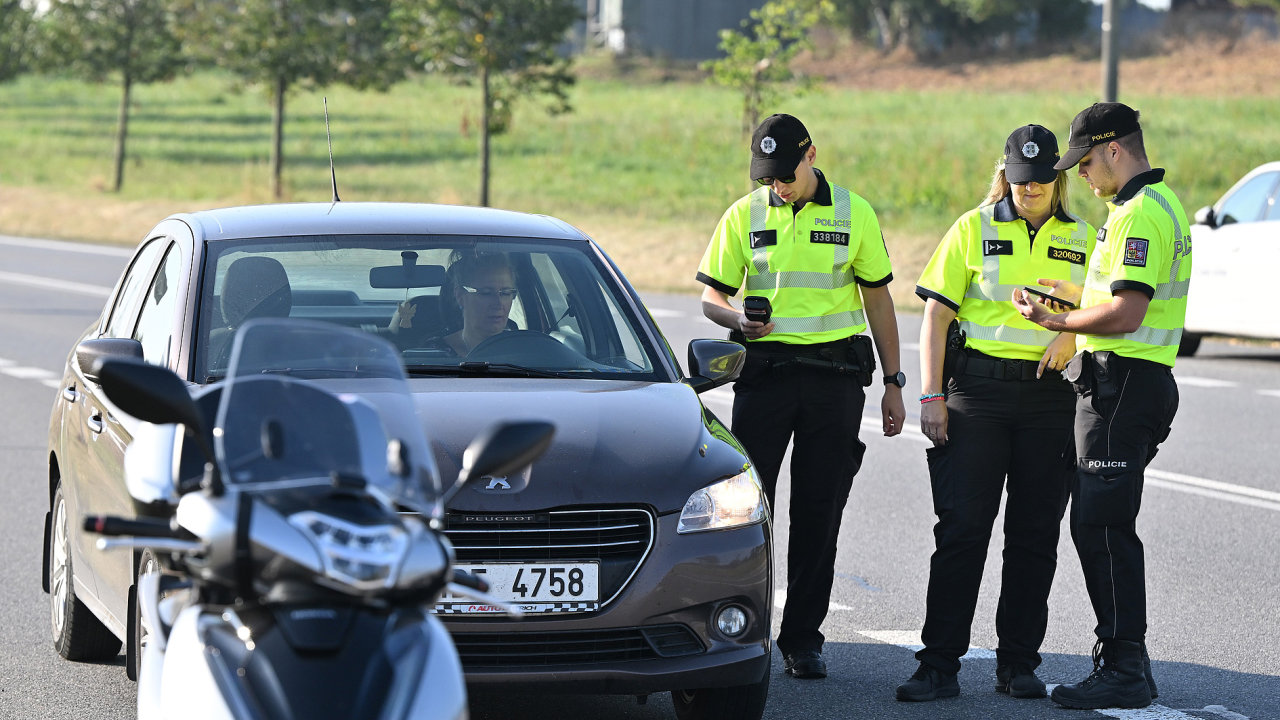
point(616, 442)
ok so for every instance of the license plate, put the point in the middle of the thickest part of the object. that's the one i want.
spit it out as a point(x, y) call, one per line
point(533, 587)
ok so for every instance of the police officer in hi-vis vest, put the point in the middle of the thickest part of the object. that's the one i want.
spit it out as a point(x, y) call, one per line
point(1129, 322)
point(1002, 410)
point(809, 254)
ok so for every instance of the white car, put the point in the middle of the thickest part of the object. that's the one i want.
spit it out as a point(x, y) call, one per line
point(1237, 248)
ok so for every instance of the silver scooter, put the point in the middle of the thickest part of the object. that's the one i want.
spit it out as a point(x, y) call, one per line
point(296, 575)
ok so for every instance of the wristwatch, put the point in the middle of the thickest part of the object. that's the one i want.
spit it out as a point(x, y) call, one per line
point(899, 379)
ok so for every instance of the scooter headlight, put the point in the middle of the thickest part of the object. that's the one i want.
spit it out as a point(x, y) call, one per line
point(730, 503)
point(361, 556)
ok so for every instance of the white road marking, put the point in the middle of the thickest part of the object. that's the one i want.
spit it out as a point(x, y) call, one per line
point(910, 640)
point(1239, 494)
point(26, 373)
point(44, 282)
point(66, 246)
point(1205, 382)
point(665, 313)
point(780, 600)
point(1270, 393)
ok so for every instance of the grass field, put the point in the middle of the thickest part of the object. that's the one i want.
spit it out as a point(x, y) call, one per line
point(644, 167)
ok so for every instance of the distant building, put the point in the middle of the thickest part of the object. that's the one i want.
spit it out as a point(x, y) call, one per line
point(675, 29)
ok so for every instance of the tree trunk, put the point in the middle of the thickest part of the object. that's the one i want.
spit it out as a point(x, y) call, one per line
point(486, 110)
point(122, 130)
point(277, 139)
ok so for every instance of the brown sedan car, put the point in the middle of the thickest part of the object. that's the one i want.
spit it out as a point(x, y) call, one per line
point(638, 546)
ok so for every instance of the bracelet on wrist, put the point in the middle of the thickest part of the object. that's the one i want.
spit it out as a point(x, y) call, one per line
point(931, 397)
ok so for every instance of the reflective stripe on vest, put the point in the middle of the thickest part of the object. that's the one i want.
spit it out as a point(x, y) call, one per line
point(988, 286)
point(764, 280)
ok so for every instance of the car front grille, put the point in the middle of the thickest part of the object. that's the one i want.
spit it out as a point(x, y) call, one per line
point(527, 650)
point(618, 539)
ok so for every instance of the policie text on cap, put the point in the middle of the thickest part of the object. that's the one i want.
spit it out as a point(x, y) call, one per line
point(1098, 123)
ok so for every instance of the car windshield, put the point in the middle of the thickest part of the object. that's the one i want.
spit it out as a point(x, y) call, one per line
point(306, 401)
point(451, 305)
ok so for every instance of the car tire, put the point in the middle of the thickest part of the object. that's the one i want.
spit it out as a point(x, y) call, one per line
point(1189, 343)
point(77, 633)
point(743, 702)
point(139, 633)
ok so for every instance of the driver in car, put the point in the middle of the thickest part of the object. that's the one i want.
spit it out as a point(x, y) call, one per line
point(482, 288)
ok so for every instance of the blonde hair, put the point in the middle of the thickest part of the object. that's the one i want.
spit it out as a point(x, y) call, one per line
point(1000, 188)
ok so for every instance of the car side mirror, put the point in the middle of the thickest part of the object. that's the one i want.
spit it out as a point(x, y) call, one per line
point(90, 352)
point(1205, 216)
point(713, 363)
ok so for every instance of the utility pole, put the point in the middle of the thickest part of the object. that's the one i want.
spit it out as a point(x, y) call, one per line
point(1110, 57)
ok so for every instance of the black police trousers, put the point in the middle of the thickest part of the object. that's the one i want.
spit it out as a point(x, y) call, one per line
point(818, 412)
point(1019, 429)
point(1124, 411)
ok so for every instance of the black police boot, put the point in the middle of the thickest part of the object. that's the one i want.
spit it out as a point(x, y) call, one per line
point(1019, 681)
point(1146, 669)
point(1117, 680)
point(928, 683)
point(806, 664)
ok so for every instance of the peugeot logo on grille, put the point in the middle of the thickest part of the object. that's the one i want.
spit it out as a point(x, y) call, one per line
point(498, 483)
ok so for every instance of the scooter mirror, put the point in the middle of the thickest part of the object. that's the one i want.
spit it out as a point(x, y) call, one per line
point(501, 450)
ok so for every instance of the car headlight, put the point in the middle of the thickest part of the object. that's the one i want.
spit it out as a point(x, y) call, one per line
point(730, 503)
point(361, 556)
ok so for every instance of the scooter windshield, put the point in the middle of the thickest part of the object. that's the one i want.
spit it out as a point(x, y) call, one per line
point(309, 401)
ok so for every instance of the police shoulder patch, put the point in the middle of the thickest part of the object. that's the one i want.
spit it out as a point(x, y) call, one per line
point(1135, 252)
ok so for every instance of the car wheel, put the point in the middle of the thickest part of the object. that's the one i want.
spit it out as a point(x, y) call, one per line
point(1189, 344)
point(139, 633)
point(744, 702)
point(77, 633)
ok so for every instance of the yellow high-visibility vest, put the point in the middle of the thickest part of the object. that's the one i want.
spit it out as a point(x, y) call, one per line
point(809, 264)
point(1145, 245)
point(986, 255)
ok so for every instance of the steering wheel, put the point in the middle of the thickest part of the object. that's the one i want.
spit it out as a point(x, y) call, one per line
point(527, 347)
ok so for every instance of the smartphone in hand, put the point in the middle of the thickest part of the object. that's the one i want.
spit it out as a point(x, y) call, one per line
point(1049, 297)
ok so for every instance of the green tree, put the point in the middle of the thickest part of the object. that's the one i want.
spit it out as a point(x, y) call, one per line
point(757, 59)
point(16, 31)
point(510, 47)
point(130, 41)
point(281, 44)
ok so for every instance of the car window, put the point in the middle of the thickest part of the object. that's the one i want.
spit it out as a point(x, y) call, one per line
point(1249, 202)
point(156, 324)
point(496, 305)
point(136, 280)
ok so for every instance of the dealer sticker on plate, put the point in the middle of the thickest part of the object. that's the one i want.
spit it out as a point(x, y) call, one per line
point(533, 587)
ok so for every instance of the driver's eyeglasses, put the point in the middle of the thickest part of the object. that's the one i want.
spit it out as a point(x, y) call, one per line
point(767, 181)
point(488, 292)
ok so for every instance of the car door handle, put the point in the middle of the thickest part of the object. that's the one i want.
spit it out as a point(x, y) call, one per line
point(69, 393)
point(95, 423)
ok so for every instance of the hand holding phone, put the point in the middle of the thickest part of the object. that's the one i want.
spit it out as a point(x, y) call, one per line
point(757, 308)
point(1052, 298)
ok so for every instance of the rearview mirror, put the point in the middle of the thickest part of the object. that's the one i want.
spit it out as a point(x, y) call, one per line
point(406, 276)
point(1205, 216)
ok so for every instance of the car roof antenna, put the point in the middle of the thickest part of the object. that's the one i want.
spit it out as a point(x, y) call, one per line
point(333, 176)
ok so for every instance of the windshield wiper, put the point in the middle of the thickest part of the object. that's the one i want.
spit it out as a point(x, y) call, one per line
point(477, 367)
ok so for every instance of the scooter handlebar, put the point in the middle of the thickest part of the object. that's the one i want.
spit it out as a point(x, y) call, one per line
point(466, 579)
point(139, 527)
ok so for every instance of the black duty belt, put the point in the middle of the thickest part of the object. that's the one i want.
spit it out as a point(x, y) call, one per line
point(1001, 368)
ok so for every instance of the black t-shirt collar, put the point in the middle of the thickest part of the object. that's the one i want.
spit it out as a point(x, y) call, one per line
point(1139, 181)
point(822, 195)
point(1006, 211)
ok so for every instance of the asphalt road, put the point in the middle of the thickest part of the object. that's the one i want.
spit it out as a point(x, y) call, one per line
point(1210, 520)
